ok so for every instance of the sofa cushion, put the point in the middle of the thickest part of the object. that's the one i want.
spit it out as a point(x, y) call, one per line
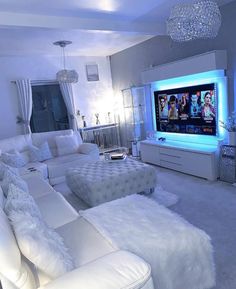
point(58, 166)
point(11, 178)
point(4, 167)
point(39, 138)
point(37, 186)
point(66, 144)
point(88, 148)
point(12, 268)
point(14, 159)
point(41, 153)
point(41, 167)
point(18, 199)
point(55, 210)
point(84, 242)
point(40, 244)
point(19, 143)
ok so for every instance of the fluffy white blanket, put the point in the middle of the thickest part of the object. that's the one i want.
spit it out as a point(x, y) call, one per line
point(180, 254)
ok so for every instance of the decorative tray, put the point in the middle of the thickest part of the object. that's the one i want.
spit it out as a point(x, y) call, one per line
point(116, 160)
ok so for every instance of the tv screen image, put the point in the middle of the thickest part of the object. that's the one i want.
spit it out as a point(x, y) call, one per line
point(190, 110)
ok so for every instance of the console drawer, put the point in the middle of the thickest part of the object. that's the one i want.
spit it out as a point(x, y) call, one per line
point(171, 165)
point(170, 158)
point(171, 152)
point(201, 163)
point(150, 154)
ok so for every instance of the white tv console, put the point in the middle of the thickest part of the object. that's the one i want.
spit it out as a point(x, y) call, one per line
point(195, 159)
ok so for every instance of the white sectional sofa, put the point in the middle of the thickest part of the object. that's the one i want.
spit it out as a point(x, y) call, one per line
point(98, 264)
point(53, 168)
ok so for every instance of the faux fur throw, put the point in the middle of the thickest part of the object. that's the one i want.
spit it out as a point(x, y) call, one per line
point(180, 254)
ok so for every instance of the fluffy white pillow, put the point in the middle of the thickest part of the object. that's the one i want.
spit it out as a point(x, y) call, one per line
point(41, 244)
point(4, 167)
point(14, 159)
point(66, 144)
point(41, 153)
point(10, 178)
point(18, 199)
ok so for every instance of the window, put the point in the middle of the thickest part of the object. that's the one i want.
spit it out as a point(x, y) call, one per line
point(49, 111)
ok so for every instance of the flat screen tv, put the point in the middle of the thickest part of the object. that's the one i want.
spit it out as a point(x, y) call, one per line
point(188, 110)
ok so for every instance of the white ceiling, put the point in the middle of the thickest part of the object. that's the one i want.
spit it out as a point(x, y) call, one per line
point(96, 27)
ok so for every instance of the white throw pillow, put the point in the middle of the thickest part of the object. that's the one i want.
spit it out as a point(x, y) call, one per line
point(41, 153)
point(4, 167)
point(66, 144)
point(14, 159)
point(18, 199)
point(41, 244)
point(10, 178)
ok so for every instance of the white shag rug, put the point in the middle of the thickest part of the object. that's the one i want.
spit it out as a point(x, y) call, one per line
point(180, 255)
point(163, 197)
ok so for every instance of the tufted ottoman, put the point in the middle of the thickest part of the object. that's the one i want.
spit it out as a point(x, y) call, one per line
point(100, 182)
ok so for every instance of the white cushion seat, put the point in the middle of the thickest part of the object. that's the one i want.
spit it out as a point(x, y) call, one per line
point(50, 203)
point(49, 206)
point(58, 166)
point(38, 187)
point(84, 242)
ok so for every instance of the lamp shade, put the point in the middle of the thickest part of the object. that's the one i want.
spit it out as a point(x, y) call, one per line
point(69, 76)
point(199, 20)
point(64, 75)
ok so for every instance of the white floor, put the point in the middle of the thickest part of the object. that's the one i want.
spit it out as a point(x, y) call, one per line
point(210, 206)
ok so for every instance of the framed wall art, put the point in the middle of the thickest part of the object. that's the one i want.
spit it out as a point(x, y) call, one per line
point(92, 72)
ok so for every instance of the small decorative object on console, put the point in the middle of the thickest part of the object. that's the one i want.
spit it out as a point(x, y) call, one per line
point(118, 156)
point(162, 138)
point(230, 123)
point(97, 118)
point(230, 126)
point(84, 122)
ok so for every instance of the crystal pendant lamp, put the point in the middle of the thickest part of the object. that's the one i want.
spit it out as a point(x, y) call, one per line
point(65, 75)
point(198, 20)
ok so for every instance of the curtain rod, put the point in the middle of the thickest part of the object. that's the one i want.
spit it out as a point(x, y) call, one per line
point(41, 81)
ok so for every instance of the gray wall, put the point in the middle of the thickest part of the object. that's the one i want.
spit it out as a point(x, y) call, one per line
point(126, 66)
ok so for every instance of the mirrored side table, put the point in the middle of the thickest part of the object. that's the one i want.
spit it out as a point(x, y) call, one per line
point(228, 163)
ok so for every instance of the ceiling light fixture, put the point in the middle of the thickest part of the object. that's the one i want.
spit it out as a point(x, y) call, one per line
point(64, 75)
point(201, 19)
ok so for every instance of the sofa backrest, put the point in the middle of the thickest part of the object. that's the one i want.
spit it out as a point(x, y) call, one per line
point(19, 143)
point(39, 138)
point(14, 271)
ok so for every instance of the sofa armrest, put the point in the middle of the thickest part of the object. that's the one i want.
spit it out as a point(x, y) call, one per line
point(88, 148)
point(119, 269)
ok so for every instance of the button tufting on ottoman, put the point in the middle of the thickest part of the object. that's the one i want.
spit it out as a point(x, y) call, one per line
point(100, 182)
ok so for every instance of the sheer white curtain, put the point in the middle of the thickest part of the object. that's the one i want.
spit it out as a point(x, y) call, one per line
point(67, 93)
point(25, 97)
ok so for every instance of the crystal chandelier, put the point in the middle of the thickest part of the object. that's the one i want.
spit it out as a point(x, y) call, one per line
point(201, 19)
point(64, 75)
